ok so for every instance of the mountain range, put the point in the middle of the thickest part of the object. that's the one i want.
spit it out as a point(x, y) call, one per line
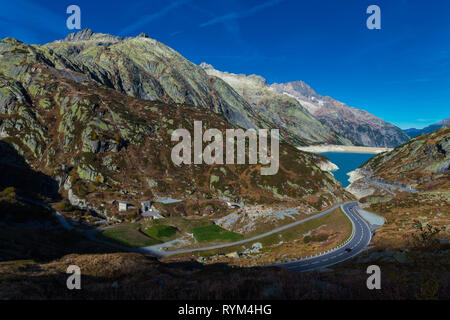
point(280, 109)
point(413, 132)
point(96, 97)
point(295, 104)
point(147, 69)
point(358, 126)
point(144, 68)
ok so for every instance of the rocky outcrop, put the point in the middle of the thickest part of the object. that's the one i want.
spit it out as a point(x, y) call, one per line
point(359, 187)
point(85, 34)
point(327, 165)
point(359, 126)
point(88, 34)
point(247, 219)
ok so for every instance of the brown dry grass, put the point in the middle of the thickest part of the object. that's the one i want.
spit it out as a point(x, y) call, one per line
point(133, 276)
point(400, 213)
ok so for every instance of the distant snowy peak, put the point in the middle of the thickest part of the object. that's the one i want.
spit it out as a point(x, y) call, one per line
point(359, 126)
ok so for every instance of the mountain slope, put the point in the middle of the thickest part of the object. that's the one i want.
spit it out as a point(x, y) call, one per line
point(410, 188)
point(413, 132)
point(277, 108)
point(359, 126)
point(147, 69)
point(114, 146)
point(421, 164)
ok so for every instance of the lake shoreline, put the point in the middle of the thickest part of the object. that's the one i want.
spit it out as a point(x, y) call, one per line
point(346, 162)
point(343, 149)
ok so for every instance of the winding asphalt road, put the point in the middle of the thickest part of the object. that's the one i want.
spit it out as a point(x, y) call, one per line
point(155, 250)
point(359, 241)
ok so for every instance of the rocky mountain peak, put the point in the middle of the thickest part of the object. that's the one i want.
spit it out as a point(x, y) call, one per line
point(228, 76)
point(84, 34)
point(88, 34)
point(142, 35)
point(206, 66)
point(298, 86)
point(357, 125)
point(445, 122)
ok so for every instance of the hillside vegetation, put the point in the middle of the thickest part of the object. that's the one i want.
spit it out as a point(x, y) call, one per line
point(98, 144)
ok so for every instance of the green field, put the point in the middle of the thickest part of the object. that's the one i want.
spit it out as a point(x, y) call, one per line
point(128, 235)
point(337, 219)
point(161, 232)
point(214, 233)
point(181, 224)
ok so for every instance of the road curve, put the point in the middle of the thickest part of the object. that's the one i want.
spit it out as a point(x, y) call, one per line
point(155, 250)
point(359, 241)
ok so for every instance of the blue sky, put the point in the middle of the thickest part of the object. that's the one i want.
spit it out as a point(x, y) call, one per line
point(400, 73)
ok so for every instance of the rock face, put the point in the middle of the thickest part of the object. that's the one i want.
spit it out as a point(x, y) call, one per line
point(85, 34)
point(421, 164)
point(359, 126)
point(278, 109)
point(413, 132)
point(327, 166)
point(54, 115)
point(88, 34)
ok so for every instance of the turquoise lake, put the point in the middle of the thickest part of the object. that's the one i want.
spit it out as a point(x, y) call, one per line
point(346, 162)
